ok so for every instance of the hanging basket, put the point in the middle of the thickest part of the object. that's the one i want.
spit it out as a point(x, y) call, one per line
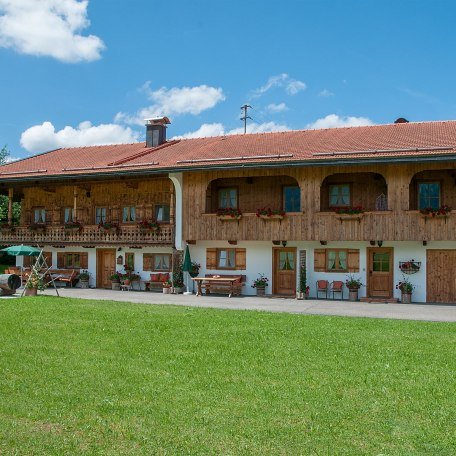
point(409, 267)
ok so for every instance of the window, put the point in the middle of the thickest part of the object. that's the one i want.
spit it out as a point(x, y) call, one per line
point(39, 215)
point(130, 260)
point(68, 214)
point(128, 214)
point(72, 260)
point(292, 199)
point(227, 197)
point(100, 215)
point(339, 195)
point(226, 258)
point(381, 262)
point(162, 213)
point(336, 260)
point(429, 195)
point(162, 262)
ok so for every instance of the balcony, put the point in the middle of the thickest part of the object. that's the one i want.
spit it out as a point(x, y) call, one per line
point(89, 235)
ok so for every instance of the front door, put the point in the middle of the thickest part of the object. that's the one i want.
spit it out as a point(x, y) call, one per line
point(106, 266)
point(380, 272)
point(284, 275)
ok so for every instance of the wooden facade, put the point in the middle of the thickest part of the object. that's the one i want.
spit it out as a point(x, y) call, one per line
point(83, 199)
point(262, 187)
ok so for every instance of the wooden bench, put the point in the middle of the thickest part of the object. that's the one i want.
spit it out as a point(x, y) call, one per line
point(150, 284)
point(68, 276)
point(224, 287)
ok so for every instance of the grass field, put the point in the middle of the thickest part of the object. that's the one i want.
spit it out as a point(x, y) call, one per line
point(110, 378)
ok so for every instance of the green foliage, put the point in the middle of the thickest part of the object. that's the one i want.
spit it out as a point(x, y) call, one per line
point(4, 154)
point(302, 279)
point(178, 273)
point(98, 377)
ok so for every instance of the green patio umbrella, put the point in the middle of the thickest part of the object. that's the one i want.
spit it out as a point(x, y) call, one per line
point(22, 250)
point(187, 267)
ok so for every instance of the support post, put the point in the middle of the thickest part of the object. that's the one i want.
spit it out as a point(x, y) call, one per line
point(75, 203)
point(10, 206)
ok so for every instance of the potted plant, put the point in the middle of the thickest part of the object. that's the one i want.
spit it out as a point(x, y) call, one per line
point(194, 271)
point(115, 281)
point(406, 288)
point(109, 226)
point(84, 277)
point(353, 284)
point(73, 225)
point(270, 214)
point(260, 283)
point(350, 213)
point(167, 286)
point(178, 277)
point(34, 283)
point(35, 227)
point(229, 213)
point(442, 211)
point(151, 226)
point(303, 288)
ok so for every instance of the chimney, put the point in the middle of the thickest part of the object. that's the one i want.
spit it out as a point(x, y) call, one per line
point(156, 131)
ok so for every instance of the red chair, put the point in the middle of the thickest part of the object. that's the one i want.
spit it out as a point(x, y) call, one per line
point(337, 287)
point(323, 287)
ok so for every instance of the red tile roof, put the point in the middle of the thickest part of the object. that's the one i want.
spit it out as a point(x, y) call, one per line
point(406, 140)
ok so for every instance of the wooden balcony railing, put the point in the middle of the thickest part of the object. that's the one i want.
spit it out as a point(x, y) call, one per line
point(90, 235)
point(326, 226)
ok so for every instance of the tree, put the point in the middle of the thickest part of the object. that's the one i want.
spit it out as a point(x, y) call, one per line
point(4, 155)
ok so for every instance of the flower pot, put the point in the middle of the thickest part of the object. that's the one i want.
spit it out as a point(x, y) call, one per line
point(166, 290)
point(353, 294)
point(229, 218)
point(271, 217)
point(406, 298)
point(31, 291)
point(178, 290)
point(84, 283)
point(260, 291)
point(299, 295)
point(115, 286)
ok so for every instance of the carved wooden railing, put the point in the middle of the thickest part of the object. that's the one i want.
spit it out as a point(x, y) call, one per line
point(89, 235)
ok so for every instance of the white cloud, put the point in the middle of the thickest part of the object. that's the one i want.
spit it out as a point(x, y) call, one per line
point(292, 86)
point(44, 137)
point(217, 129)
point(325, 93)
point(177, 100)
point(273, 107)
point(48, 28)
point(335, 121)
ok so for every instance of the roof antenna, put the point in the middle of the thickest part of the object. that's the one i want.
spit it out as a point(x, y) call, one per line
point(244, 109)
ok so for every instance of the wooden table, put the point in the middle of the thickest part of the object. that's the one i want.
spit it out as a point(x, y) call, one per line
point(217, 280)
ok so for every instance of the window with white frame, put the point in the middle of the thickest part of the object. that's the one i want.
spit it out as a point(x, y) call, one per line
point(128, 214)
point(162, 213)
point(227, 198)
point(339, 195)
point(100, 215)
point(39, 215)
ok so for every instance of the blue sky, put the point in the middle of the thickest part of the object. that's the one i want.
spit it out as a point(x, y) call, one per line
point(75, 73)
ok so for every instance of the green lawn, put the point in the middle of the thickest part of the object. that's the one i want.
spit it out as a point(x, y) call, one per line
point(87, 377)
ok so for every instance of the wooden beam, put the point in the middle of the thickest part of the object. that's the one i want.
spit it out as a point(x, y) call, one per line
point(10, 205)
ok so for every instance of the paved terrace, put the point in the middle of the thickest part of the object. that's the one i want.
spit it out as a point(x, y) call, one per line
point(426, 312)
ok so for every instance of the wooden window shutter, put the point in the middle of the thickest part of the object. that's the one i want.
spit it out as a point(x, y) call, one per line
point(241, 259)
point(147, 261)
point(353, 260)
point(84, 260)
point(211, 258)
point(27, 262)
point(48, 258)
point(61, 260)
point(320, 260)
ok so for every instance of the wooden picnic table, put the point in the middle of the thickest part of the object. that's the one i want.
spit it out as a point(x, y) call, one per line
point(228, 281)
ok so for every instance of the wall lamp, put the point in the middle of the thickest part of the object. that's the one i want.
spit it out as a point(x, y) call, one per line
point(379, 243)
point(284, 243)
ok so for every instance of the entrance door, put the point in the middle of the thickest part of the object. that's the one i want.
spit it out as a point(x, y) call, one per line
point(106, 266)
point(284, 275)
point(441, 276)
point(380, 272)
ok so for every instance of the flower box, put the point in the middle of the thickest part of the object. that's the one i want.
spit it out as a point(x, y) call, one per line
point(409, 267)
point(271, 217)
point(343, 217)
point(228, 218)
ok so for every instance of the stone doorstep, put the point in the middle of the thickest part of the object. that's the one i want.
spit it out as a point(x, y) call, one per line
point(380, 300)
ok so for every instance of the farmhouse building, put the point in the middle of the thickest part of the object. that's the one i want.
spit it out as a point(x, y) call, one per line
point(374, 201)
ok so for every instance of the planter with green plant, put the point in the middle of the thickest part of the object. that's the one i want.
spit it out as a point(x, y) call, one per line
point(115, 281)
point(353, 284)
point(406, 288)
point(34, 283)
point(167, 286)
point(178, 276)
point(303, 288)
point(84, 278)
point(260, 283)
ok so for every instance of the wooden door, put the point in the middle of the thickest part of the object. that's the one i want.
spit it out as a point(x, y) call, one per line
point(284, 271)
point(380, 272)
point(106, 266)
point(441, 276)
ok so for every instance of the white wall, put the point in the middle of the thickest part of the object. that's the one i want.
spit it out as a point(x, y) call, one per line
point(259, 260)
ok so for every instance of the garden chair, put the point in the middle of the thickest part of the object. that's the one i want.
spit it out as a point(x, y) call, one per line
point(322, 287)
point(337, 286)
